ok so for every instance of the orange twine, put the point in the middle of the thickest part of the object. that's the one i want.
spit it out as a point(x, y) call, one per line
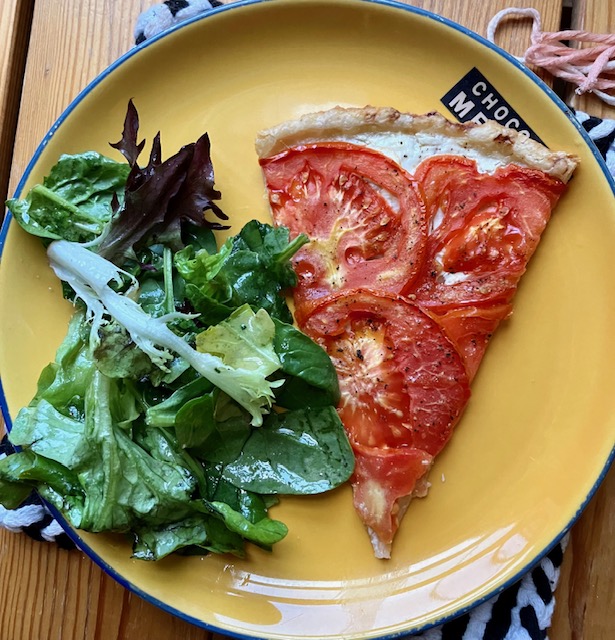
point(591, 69)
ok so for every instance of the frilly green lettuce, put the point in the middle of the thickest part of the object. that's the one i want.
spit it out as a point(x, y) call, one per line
point(89, 275)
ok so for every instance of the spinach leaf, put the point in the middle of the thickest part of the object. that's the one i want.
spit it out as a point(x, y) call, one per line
point(219, 523)
point(195, 421)
point(297, 452)
point(311, 377)
point(226, 441)
point(155, 543)
point(199, 237)
point(164, 414)
point(252, 506)
point(206, 533)
point(75, 200)
point(264, 533)
point(252, 267)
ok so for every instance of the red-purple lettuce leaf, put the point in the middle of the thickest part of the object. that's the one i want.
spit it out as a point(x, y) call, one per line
point(128, 145)
point(161, 196)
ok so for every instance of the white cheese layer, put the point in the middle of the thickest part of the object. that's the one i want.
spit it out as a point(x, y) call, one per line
point(410, 150)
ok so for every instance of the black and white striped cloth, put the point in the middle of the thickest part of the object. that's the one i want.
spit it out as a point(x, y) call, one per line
point(32, 517)
point(167, 14)
point(602, 132)
point(524, 610)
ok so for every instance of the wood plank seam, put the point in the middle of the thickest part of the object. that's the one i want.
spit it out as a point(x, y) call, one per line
point(9, 108)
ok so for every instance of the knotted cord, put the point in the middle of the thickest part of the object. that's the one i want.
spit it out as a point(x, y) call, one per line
point(591, 69)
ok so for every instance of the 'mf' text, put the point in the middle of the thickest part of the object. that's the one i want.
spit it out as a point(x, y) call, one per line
point(475, 99)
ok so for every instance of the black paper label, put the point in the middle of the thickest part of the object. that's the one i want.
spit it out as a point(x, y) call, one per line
point(475, 99)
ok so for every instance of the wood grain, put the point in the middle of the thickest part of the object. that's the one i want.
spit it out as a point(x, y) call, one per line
point(596, 16)
point(49, 593)
point(585, 597)
point(586, 590)
point(15, 16)
point(513, 35)
point(71, 43)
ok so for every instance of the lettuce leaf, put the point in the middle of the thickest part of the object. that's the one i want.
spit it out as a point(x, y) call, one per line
point(162, 196)
point(244, 339)
point(252, 268)
point(89, 274)
point(75, 201)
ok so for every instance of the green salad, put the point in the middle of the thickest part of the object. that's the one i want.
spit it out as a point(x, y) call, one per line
point(182, 402)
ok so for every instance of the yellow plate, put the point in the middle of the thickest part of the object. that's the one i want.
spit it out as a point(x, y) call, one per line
point(539, 430)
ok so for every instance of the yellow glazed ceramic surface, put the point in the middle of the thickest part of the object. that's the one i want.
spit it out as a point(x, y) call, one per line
point(540, 426)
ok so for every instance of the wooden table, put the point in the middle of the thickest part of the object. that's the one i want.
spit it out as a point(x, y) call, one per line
point(48, 52)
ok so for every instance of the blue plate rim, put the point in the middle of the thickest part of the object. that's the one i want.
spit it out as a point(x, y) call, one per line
point(235, 6)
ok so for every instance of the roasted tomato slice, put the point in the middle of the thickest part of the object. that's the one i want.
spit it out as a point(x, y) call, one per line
point(483, 228)
point(361, 212)
point(470, 328)
point(404, 387)
point(402, 381)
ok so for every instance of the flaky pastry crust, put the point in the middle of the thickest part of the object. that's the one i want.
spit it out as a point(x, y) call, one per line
point(489, 139)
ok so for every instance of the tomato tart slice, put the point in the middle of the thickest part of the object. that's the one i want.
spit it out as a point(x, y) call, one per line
point(420, 230)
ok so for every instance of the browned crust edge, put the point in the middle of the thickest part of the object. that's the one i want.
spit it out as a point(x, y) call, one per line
point(487, 138)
